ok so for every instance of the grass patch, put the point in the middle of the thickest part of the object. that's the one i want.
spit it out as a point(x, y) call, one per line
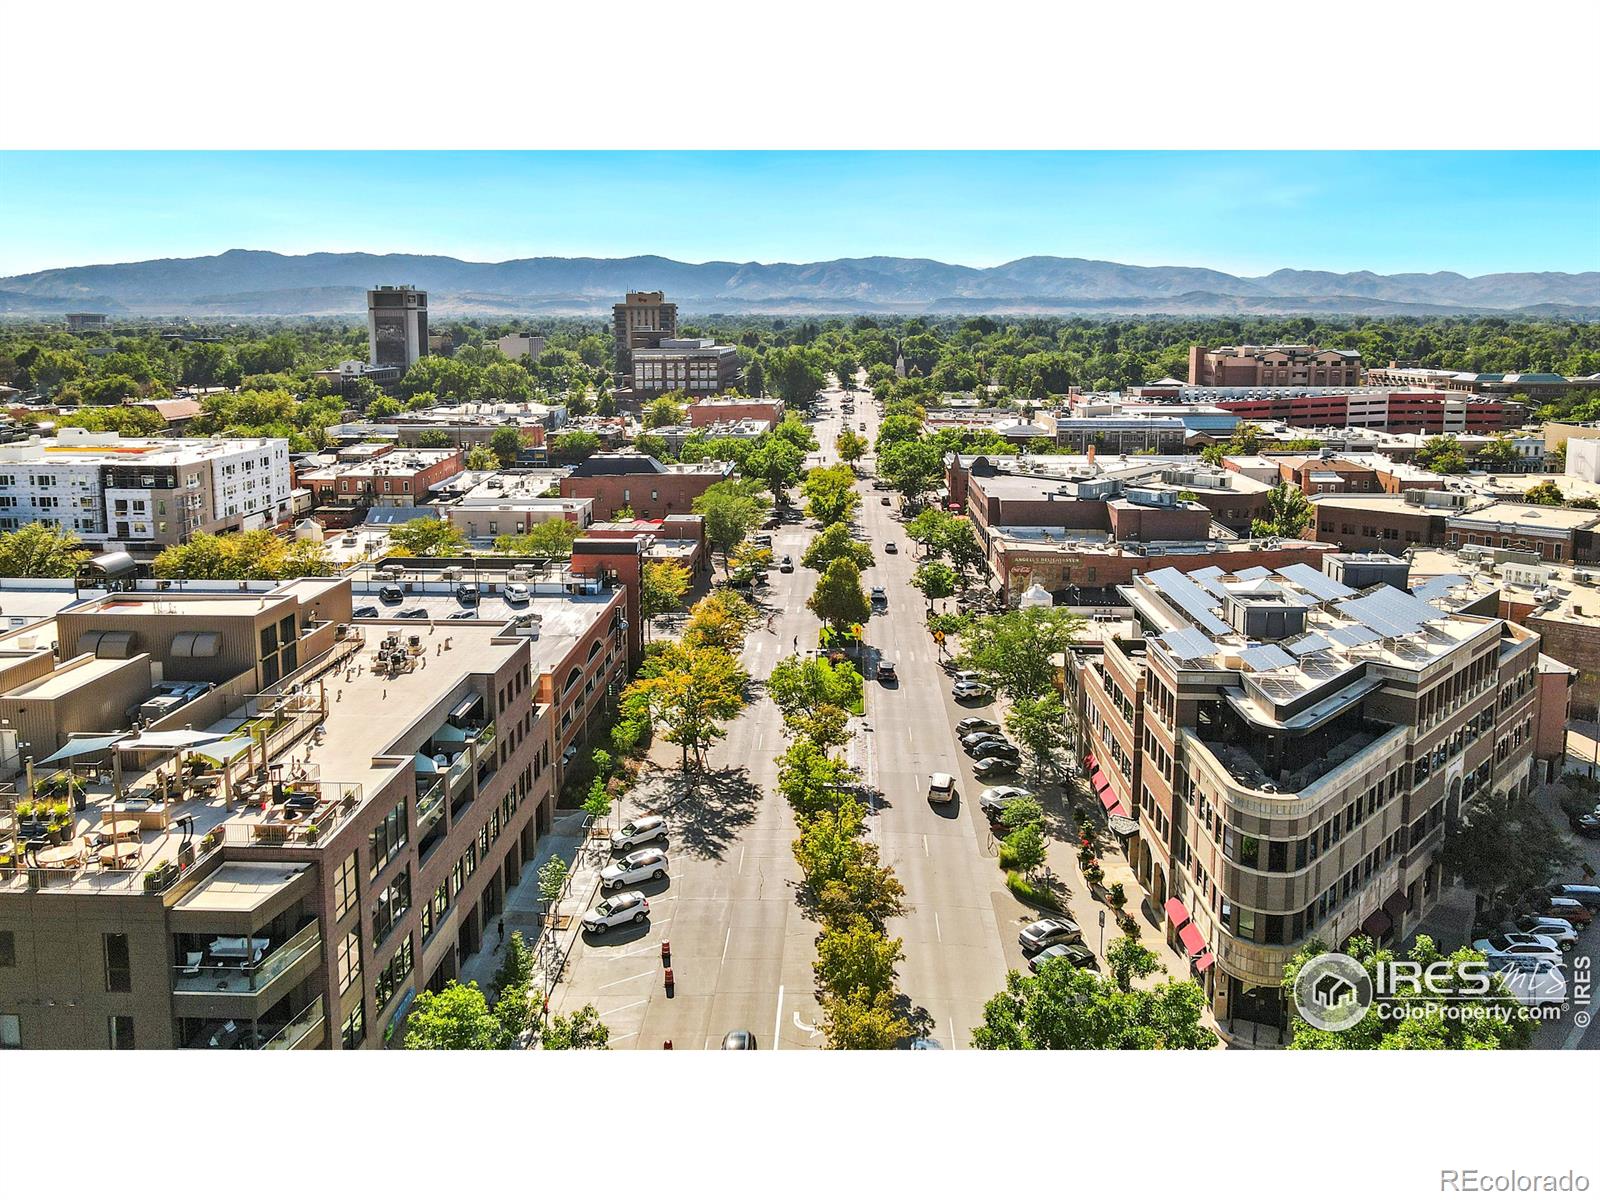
point(1040, 895)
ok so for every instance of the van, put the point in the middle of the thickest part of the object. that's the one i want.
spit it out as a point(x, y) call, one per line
point(941, 788)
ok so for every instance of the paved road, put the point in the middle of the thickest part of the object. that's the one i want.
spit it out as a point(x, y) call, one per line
point(741, 949)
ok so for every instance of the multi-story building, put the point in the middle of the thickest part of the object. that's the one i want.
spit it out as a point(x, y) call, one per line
point(734, 408)
point(1273, 366)
point(1288, 752)
point(391, 478)
point(1386, 410)
point(1364, 522)
point(513, 502)
point(1536, 385)
point(521, 345)
point(465, 425)
point(287, 866)
point(397, 325)
point(696, 366)
point(642, 319)
point(642, 483)
point(85, 322)
point(745, 429)
point(144, 493)
point(352, 373)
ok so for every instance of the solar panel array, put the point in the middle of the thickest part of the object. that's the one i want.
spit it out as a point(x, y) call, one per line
point(1314, 581)
point(1252, 573)
point(1437, 586)
point(1210, 572)
point(1391, 612)
point(1352, 635)
point(1189, 643)
point(1186, 594)
point(1309, 644)
point(1265, 658)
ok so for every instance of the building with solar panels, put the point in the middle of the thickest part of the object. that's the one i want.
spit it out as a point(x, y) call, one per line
point(1285, 752)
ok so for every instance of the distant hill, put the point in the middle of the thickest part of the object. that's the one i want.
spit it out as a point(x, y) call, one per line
point(260, 282)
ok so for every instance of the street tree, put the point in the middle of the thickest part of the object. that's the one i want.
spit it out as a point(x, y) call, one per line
point(833, 543)
point(1504, 849)
point(1021, 811)
point(1025, 849)
point(912, 468)
point(691, 688)
point(927, 527)
point(935, 580)
point(1130, 960)
point(583, 1030)
point(802, 684)
point(552, 880)
point(796, 374)
point(959, 543)
point(1289, 513)
point(843, 874)
point(40, 551)
point(1039, 724)
point(663, 410)
point(831, 495)
point(812, 780)
point(732, 509)
point(574, 447)
point(720, 619)
point(254, 554)
point(864, 1022)
point(1067, 1008)
point(1013, 650)
point(457, 1018)
point(839, 601)
point(1546, 493)
point(853, 957)
point(661, 590)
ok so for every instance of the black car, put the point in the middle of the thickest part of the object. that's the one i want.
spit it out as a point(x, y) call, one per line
point(991, 747)
point(391, 593)
point(786, 565)
point(1586, 824)
point(366, 610)
point(412, 614)
point(467, 595)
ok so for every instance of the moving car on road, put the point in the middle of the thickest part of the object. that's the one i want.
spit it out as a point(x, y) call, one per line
point(1050, 931)
point(636, 868)
point(786, 565)
point(625, 909)
point(941, 788)
point(639, 831)
point(739, 1039)
point(890, 548)
point(884, 500)
point(880, 598)
point(886, 671)
point(1078, 956)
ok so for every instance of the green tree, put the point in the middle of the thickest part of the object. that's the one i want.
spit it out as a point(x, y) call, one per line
point(812, 780)
point(854, 957)
point(552, 538)
point(1129, 959)
point(1289, 513)
point(1021, 811)
point(427, 537)
point(1504, 849)
point(928, 527)
point(457, 1018)
point(1545, 493)
point(691, 689)
point(1066, 1008)
point(864, 1022)
point(583, 1030)
point(795, 373)
point(960, 545)
point(732, 509)
point(800, 685)
point(573, 447)
point(1039, 724)
point(1025, 849)
point(775, 462)
point(843, 875)
point(552, 879)
point(663, 410)
point(506, 443)
point(720, 619)
point(1014, 649)
point(256, 554)
point(851, 446)
point(1442, 455)
point(838, 601)
point(835, 543)
point(935, 580)
point(40, 551)
point(912, 468)
point(481, 458)
point(662, 590)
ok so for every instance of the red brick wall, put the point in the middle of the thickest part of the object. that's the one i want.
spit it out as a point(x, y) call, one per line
point(674, 493)
point(760, 410)
point(1131, 523)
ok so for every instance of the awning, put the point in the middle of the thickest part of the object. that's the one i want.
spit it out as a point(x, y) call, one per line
point(426, 765)
point(1189, 935)
point(225, 751)
point(1204, 961)
point(1397, 904)
point(460, 711)
point(168, 739)
point(1098, 779)
point(1377, 924)
point(1116, 810)
point(1108, 799)
point(449, 733)
point(1176, 912)
point(1123, 826)
point(1091, 763)
point(87, 744)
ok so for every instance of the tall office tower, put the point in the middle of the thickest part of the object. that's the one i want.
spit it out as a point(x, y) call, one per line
point(397, 325)
point(643, 319)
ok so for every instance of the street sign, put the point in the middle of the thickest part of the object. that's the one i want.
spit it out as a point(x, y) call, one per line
point(938, 636)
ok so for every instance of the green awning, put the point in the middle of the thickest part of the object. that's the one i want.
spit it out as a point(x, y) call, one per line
point(85, 744)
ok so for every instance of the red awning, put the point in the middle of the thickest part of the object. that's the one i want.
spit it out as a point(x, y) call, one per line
point(1176, 912)
point(1377, 924)
point(1108, 798)
point(1189, 935)
point(1098, 779)
point(1204, 961)
point(1091, 763)
point(1116, 810)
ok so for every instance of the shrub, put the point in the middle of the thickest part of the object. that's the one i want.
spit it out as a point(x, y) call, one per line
point(1116, 895)
point(1129, 926)
point(1031, 891)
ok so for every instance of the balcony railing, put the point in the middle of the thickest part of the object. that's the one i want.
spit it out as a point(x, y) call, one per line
point(251, 979)
point(430, 807)
point(302, 1026)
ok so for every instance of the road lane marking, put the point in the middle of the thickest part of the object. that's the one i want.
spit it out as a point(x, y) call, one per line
point(777, 1019)
point(621, 1036)
point(812, 1030)
point(955, 1038)
point(926, 853)
point(937, 931)
point(741, 860)
point(629, 979)
point(624, 1008)
point(726, 938)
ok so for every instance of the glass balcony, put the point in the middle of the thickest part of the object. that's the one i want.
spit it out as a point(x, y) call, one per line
point(247, 978)
point(303, 1029)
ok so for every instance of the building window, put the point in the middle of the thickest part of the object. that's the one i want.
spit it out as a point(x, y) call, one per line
point(387, 838)
point(119, 1031)
point(393, 975)
point(10, 1031)
point(355, 1028)
point(346, 891)
point(119, 974)
point(392, 904)
point(349, 960)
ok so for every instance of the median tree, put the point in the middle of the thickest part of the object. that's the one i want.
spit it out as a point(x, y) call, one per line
point(912, 468)
point(839, 601)
point(843, 875)
point(814, 781)
point(834, 543)
point(852, 447)
point(775, 462)
point(830, 494)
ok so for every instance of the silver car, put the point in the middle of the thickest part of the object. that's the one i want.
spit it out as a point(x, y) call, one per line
point(626, 908)
point(636, 868)
point(639, 831)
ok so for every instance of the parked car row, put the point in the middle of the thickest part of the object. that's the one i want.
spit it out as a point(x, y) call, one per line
point(639, 866)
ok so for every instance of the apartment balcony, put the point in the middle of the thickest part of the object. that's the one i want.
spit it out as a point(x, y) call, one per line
point(236, 976)
point(304, 1031)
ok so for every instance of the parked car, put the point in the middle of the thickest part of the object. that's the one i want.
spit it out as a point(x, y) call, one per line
point(639, 831)
point(882, 500)
point(391, 593)
point(739, 1039)
point(890, 548)
point(1534, 945)
point(985, 768)
point(993, 801)
point(467, 595)
point(786, 565)
point(412, 614)
point(1049, 932)
point(1586, 894)
point(636, 868)
point(763, 539)
point(1567, 908)
point(1533, 980)
point(990, 745)
point(967, 726)
point(1585, 824)
point(886, 671)
point(971, 691)
point(941, 788)
point(1077, 955)
point(365, 611)
point(463, 614)
point(517, 593)
point(1565, 935)
point(623, 909)
point(880, 598)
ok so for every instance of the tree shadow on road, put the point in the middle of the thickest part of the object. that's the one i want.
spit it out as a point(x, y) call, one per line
point(705, 809)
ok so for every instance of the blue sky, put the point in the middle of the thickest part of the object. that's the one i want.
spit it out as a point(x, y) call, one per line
point(1244, 212)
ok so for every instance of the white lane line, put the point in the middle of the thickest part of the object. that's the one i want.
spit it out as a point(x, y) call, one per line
point(955, 1038)
point(726, 938)
point(629, 979)
point(777, 1019)
point(741, 860)
point(938, 932)
point(624, 1008)
point(926, 853)
point(622, 1037)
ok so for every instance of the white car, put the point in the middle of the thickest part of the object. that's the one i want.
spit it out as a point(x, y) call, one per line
point(517, 593)
point(1565, 936)
point(636, 868)
point(1531, 945)
point(639, 831)
point(971, 689)
point(1532, 980)
point(626, 908)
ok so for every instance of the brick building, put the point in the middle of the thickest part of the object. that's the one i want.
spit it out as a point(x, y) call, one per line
point(1273, 366)
point(642, 483)
point(734, 408)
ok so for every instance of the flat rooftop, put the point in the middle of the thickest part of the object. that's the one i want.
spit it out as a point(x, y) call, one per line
point(1524, 514)
point(241, 887)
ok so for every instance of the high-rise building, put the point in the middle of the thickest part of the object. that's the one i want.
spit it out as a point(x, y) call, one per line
point(1273, 366)
point(397, 325)
point(642, 319)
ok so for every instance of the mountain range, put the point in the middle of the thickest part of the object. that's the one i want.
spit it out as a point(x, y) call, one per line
point(263, 283)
